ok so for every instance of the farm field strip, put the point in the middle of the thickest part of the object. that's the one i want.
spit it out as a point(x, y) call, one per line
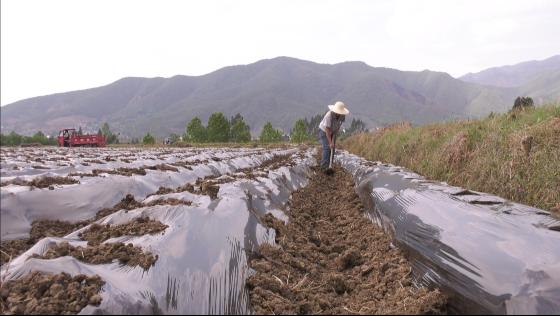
point(33, 162)
point(21, 205)
point(200, 255)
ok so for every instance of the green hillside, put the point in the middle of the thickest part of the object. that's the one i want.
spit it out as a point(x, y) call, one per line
point(514, 155)
point(280, 90)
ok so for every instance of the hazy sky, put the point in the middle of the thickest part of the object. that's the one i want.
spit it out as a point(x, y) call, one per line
point(62, 45)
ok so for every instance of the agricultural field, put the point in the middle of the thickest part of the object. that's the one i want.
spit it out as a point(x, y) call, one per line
point(238, 230)
point(162, 228)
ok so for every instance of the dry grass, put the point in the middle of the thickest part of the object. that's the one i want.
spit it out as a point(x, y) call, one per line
point(514, 155)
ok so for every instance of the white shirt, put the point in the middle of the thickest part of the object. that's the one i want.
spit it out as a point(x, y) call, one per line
point(326, 122)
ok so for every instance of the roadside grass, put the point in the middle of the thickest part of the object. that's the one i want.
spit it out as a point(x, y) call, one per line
point(515, 155)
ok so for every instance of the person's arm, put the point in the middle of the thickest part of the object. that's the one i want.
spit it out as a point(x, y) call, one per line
point(329, 137)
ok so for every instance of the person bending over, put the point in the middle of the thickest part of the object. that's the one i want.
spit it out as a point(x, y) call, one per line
point(329, 128)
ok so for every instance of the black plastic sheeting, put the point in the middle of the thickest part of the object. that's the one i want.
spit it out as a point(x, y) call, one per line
point(202, 266)
point(487, 254)
point(20, 205)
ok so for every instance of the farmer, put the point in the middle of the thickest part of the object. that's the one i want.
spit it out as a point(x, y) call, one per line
point(328, 128)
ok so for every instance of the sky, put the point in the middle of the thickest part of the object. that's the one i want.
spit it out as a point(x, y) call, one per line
point(64, 45)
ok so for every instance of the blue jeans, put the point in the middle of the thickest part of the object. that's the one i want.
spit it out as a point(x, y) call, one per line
point(326, 149)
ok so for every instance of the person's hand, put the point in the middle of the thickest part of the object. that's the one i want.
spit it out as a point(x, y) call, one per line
point(331, 145)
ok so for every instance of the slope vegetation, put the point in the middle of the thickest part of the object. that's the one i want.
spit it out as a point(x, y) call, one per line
point(280, 90)
point(514, 155)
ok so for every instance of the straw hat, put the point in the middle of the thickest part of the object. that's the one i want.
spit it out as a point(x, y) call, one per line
point(339, 108)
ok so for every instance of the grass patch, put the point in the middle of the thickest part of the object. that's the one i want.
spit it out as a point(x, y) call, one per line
point(515, 155)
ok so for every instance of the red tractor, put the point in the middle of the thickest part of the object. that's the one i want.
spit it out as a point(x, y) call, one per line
point(68, 137)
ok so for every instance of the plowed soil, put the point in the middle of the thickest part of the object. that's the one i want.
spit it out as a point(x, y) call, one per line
point(127, 203)
point(168, 201)
point(49, 294)
point(97, 234)
point(330, 259)
point(103, 253)
point(39, 230)
point(47, 228)
point(42, 182)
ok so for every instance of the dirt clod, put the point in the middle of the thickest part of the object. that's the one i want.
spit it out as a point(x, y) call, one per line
point(97, 234)
point(168, 201)
point(162, 167)
point(349, 259)
point(161, 191)
point(127, 203)
point(210, 189)
point(102, 254)
point(39, 230)
point(50, 294)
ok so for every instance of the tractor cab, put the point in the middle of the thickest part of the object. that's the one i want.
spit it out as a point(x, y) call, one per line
point(69, 137)
point(64, 136)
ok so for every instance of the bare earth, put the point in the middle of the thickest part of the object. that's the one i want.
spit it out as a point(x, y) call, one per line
point(330, 259)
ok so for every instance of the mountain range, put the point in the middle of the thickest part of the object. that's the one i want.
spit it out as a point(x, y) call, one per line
point(282, 90)
point(515, 75)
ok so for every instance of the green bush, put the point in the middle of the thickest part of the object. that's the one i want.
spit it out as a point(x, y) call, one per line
point(196, 132)
point(299, 132)
point(269, 134)
point(14, 139)
point(148, 139)
point(240, 131)
point(110, 138)
point(218, 128)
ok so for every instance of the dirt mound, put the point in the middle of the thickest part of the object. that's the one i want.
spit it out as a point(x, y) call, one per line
point(10, 249)
point(95, 161)
point(209, 188)
point(168, 201)
point(124, 171)
point(44, 228)
point(97, 234)
point(39, 167)
point(276, 162)
point(103, 253)
point(162, 167)
point(210, 184)
point(183, 164)
point(94, 173)
point(39, 230)
point(127, 203)
point(49, 294)
point(330, 259)
point(161, 191)
point(42, 182)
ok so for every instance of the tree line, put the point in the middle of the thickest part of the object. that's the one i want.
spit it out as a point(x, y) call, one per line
point(221, 130)
point(15, 139)
point(218, 129)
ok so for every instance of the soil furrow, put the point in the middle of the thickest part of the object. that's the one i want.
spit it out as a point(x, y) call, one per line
point(329, 259)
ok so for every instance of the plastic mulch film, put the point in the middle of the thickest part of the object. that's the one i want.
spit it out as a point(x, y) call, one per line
point(489, 255)
point(202, 264)
point(22, 205)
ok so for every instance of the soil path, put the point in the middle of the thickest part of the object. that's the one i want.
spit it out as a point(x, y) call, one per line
point(330, 259)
